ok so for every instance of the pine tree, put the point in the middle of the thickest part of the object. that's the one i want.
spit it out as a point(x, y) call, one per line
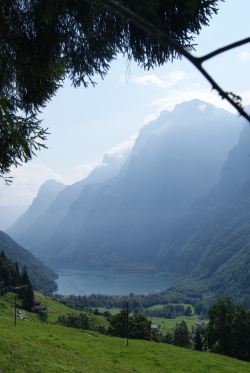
point(181, 335)
point(17, 277)
point(26, 292)
point(198, 341)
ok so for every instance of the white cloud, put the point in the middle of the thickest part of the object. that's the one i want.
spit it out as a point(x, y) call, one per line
point(119, 152)
point(122, 149)
point(244, 56)
point(26, 182)
point(150, 117)
point(163, 81)
point(82, 171)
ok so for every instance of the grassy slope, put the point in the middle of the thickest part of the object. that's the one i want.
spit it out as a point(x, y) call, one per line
point(55, 309)
point(33, 347)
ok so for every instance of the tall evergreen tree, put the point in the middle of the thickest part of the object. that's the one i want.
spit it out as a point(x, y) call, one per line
point(17, 279)
point(198, 340)
point(181, 335)
point(26, 292)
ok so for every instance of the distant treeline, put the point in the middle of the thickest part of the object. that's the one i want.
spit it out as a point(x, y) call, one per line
point(136, 302)
point(170, 311)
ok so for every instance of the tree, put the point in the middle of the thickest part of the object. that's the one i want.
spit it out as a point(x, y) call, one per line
point(229, 329)
point(181, 335)
point(118, 324)
point(26, 292)
point(80, 321)
point(43, 315)
point(139, 327)
point(47, 41)
point(198, 340)
point(188, 311)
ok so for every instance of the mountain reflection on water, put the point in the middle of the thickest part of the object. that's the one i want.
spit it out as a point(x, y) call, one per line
point(85, 282)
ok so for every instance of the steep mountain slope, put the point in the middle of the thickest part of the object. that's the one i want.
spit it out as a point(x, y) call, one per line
point(213, 241)
point(122, 223)
point(35, 232)
point(42, 277)
point(46, 194)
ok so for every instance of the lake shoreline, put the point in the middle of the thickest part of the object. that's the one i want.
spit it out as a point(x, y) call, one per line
point(86, 282)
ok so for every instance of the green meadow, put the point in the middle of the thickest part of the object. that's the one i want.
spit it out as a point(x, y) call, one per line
point(36, 347)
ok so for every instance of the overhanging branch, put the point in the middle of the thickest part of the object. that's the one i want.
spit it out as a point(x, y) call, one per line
point(223, 49)
point(164, 38)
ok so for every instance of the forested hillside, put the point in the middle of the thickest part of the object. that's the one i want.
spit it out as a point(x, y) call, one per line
point(42, 277)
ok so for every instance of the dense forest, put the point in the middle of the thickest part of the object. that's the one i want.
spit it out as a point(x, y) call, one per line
point(11, 279)
point(41, 276)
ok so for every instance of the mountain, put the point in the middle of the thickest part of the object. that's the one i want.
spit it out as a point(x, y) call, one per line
point(42, 277)
point(212, 242)
point(46, 194)
point(123, 222)
point(33, 230)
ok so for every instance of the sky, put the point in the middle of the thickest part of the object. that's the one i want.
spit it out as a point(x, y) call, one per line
point(84, 124)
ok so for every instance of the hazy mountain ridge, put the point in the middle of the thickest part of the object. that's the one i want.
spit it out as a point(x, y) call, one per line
point(46, 194)
point(35, 232)
point(42, 277)
point(123, 222)
point(215, 245)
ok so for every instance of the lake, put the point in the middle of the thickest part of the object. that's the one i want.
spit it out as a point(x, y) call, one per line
point(85, 282)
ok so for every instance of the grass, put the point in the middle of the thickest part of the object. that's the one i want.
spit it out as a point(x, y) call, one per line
point(167, 325)
point(34, 347)
point(158, 307)
point(55, 309)
point(113, 311)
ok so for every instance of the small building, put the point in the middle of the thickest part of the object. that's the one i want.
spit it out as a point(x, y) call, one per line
point(155, 326)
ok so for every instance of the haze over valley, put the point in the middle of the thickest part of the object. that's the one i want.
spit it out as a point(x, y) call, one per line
point(154, 207)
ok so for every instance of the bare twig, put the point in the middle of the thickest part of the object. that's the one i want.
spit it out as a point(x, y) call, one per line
point(164, 38)
point(223, 49)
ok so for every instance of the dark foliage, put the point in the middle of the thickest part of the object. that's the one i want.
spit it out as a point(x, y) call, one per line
point(139, 327)
point(181, 335)
point(80, 321)
point(12, 280)
point(197, 341)
point(9, 273)
point(136, 326)
point(41, 277)
point(136, 302)
point(47, 41)
point(26, 292)
point(118, 324)
point(229, 329)
point(43, 315)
